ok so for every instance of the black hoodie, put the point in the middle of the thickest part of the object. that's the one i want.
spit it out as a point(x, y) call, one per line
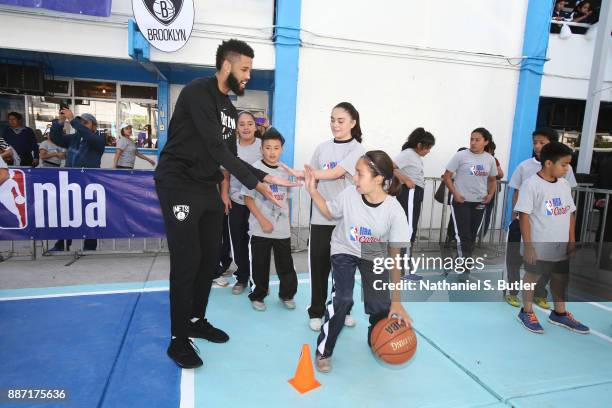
point(202, 136)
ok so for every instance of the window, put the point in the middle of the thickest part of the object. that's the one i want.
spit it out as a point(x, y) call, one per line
point(95, 89)
point(112, 103)
point(106, 114)
point(58, 87)
point(138, 92)
point(143, 118)
point(42, 110)
point(9, 103)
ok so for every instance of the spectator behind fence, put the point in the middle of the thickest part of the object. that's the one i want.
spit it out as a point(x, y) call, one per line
point(3, 171)
point(604, 182)
point(85, 149)
point(126, 153)
point(22, 139)
point(51, 155)
point(490, 148)
point(9, 154)
point(4, 175)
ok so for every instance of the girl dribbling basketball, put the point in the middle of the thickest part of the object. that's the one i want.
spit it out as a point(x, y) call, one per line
point(371, 224)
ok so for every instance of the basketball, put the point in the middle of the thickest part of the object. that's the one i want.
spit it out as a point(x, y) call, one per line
point(393, 342)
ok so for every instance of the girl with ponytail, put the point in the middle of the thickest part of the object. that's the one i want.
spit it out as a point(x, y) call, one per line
point(410, 172)
point(333, 164)
point(371, 226)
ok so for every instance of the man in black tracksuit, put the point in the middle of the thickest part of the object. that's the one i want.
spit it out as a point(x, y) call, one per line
point(201, 137)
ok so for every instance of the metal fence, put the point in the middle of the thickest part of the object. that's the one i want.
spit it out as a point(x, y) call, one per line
point(433, 226)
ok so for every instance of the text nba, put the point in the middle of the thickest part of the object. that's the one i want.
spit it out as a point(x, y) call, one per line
point(75, 204)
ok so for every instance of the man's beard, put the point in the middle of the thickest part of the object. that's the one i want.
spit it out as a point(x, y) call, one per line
point(234, 85)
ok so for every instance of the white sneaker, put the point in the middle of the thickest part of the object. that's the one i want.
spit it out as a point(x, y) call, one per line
point(220, 282)
point(315, 324)
point(289, 304)
point(349, 321)
point(259, 306)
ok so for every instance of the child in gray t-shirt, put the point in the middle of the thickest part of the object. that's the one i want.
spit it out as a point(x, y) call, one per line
point(546, 214)
point(527, 168)
point(269, 228)
point(370, 223)
point(471, 190)
point(333, 163)
point(410, 172)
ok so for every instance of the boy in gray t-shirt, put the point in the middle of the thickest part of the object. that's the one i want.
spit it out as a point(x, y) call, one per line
point(546, 214)
point(527, 168)
point(269, 228)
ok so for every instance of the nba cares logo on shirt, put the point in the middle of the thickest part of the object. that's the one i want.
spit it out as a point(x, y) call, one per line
point(278, 195)
point(362, 234)
point(555, 207)
point(330, 165)
point(478, 170)
point(181, 211)
point(13, 202)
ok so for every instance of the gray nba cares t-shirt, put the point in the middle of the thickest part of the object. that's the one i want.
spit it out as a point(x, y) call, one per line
point(128, 152)
point(361, 225)
point(328, 155)
point(411, 164)
point(279, 217)
point(531, 166)
point(249, 154)
point(51, 148)
point(549, 206)
point(471, 174)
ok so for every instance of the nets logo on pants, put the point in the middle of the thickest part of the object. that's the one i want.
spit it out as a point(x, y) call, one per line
point(13, 201)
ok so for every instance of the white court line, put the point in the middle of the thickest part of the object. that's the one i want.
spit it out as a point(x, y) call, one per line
point(111, 292)
point(593, 332)
point(599, 305)
point(187, 396)
point(101, 292)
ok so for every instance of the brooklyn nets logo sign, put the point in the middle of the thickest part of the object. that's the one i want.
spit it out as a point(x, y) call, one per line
point(166, 24)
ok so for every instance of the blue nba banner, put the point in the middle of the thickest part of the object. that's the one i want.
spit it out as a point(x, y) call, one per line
point(50, 203)
point(101, 8)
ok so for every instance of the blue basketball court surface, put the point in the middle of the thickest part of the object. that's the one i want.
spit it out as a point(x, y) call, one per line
point(105, 345)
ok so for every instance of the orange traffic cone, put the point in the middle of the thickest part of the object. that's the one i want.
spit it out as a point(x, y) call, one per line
point(304, 379)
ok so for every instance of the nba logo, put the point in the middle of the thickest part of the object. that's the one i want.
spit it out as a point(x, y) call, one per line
point(354, 233)
point(549, 207)
point(13, 202)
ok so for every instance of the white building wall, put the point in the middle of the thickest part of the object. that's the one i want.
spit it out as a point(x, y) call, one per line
point(567, 73)
point(215, 20)
point(452, 73)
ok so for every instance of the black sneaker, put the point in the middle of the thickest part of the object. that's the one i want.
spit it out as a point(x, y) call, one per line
point(204, 330)
point(182, 352)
